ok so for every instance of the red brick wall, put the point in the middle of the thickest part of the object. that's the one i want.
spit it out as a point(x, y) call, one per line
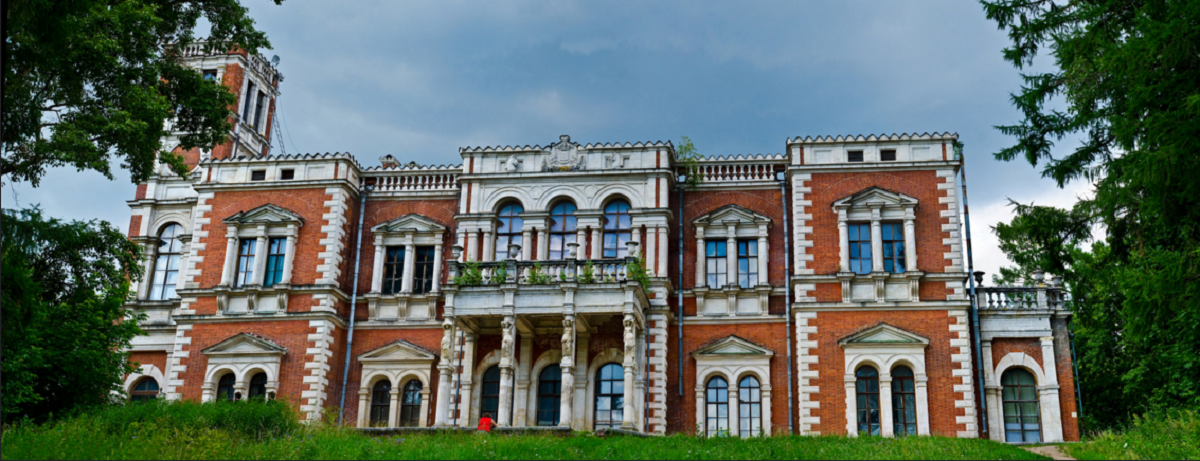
point(233, 79)
point(291, 334)
point(141, 192)
point(135, 225)
point(1066, 380)
point(1004, 346)
point(368, 340)
point(307, 203)
point(935, 325)
point(156, 358)
point(381, 211)
point(681, 413)
point(699, 203)
point(922, 185)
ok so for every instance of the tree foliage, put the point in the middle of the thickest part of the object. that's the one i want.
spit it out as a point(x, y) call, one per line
point(65, 329)
point(688, 158)
point(87, 82)
point(1127, 84)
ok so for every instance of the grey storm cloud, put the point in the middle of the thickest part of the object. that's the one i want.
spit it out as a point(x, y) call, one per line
point(418, 80)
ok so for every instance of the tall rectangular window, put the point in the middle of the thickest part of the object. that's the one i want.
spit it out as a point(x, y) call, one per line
point(893, 248)
point(423, 270)
point(276, 249)
point(259, 105)
point(747, 263)
point(717, 266)
point(393, 270)
point(860, 248)
point(245, 262)
point(249, 100)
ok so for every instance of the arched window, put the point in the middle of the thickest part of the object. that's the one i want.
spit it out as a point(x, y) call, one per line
point(489, 396)
point(258, 386)
point(867, 390)
point(225, 387)
point(144, 391)
point(1022, 420)
point(562, 230)
point(904, 402)
point(410, 404)
point(617, 225)
point(749, 407)
point(509, 229)
point(716, 411)
point(381, 402)
point(549, 395)
point(166, 263)
point(610, 396)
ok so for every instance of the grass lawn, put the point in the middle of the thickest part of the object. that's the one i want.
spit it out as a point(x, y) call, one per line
point(65, 442)
point(1175, 436)
point(269, 430)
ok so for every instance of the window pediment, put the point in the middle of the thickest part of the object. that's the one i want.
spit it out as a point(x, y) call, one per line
point(732, 345)
point(884, 335)
point(266, 214)
point(244, 344)
point(876, 197)
point(411, 223)
point(748, 223)
point(397, 352)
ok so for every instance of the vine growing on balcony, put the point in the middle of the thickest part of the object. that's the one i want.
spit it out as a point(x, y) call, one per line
point(470, 275)
point(538, 276)
point(636, 271)
point(588, 274)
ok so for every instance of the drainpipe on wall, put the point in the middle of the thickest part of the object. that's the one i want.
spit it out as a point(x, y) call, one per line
point(983, 420)
point(362, 206)
point(679, 288)
point(787, 299)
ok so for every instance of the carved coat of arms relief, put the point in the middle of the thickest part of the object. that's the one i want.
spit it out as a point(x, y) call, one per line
point(564, 156)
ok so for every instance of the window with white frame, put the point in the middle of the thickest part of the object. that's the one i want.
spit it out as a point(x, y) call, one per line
point(166, 263)
point(876, 230)
point(262, 243)
point(731, 248)
point(408, 256)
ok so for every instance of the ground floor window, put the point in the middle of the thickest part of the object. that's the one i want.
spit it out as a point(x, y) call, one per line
point(489, 404)
point(716, 410)
point(610, 396)
point(225, 387)
point(866, 387)
point(381, 403)
point(749, 407)
point(410, 405)
point(549, 395)
point(258, 386)
point(144, 390)
point(904, 402)
point(1022, 422)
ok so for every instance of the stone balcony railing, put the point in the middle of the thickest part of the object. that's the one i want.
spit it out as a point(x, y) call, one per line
point(1019, 298)
point(742, 170)
point(413, 179)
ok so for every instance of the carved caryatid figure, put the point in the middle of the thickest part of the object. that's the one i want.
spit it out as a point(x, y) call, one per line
point(506, 344)
point(630, 339)
point(568, 340)
point(447, 341)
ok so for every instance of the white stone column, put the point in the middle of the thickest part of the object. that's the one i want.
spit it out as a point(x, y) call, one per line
point(363, 397)
point(876, 240)
point(464, 379)
point(663, 251)
point(423, 419)
point(260, 257)
point(910, 241)
point(851, 406)
point(763, 278)
point(461, 238)
point(701, 256)
point(377, 267)
point(886, 428)
point(597, 244)
point(410, 259)
point(579, 420)
point(731, 254)
point(526, 245)
point(394, 407)
point(581, 239)
point(991, 392)
point(289, 256)
point(701, 420)
point(735, 408)
point(445, 368)
point(437, 268)
point(231, 249)
point(630, 363)
point(472, 246)
point(922, 390)
point(507, 344)
point(843, 241)
point(523, 412)
point(489, 242)
point(1052, 427)
point(543, 245)
point(766, 410)
point(148, 270)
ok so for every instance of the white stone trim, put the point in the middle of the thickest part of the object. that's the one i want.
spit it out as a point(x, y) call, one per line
point(313, 398)
point(806, 375)
point(175, 367)
point(657, 373)
point(334, 241)
point(145, 370)
point(1048, 389)
point(801, 225)
point(733, 359)
point(885, 357)
point(954, 257)
point(960, 345)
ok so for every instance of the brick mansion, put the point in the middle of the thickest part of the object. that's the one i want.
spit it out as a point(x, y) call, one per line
point(824, 290)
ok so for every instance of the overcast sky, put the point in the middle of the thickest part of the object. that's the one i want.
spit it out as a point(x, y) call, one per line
point(420, 79)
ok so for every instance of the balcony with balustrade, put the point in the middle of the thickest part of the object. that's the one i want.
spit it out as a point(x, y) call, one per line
point(1026, 311)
